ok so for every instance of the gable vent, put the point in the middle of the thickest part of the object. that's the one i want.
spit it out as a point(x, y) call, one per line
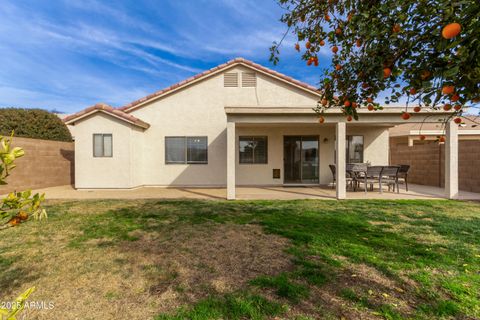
point(249, 79)
point(230, 79)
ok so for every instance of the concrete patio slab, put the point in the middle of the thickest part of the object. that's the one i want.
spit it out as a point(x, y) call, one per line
point(247, 193)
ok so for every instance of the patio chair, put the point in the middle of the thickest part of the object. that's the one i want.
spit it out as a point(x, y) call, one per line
point(390, 177)
point(333, 169)
point(403, 175)
point(373, 175)
point(358, 172)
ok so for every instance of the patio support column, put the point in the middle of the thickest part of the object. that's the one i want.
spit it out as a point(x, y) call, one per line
point(231, 161)
point(340, 160)
point(451, 160)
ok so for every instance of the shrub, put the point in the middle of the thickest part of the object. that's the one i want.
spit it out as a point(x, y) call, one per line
point(33, 123)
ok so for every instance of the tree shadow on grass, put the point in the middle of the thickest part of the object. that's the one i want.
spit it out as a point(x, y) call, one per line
point(13, 275)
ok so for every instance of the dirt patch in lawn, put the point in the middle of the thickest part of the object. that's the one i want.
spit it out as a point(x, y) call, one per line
point(157, 273)
point(209, 259)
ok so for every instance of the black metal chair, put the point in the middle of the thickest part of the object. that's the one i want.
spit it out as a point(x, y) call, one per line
point(373, 175)
point(403, 175)
point(332, 169)
point(348, 177)
point(390, 177)
point(358, 172)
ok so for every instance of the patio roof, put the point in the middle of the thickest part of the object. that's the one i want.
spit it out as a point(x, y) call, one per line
point(305, 114)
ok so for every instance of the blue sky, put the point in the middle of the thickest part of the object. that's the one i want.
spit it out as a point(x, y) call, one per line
point(69, 54)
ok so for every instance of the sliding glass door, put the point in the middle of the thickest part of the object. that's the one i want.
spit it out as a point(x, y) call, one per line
point(300, 159)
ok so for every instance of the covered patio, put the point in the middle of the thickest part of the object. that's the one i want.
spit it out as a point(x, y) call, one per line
point(246, 193)
point(242, 120)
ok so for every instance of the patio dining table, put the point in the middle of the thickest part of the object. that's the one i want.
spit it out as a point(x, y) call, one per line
point(359, 173)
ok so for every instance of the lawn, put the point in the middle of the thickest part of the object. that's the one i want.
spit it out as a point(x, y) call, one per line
point(191, 259)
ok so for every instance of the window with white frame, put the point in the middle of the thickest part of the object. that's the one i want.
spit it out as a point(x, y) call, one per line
point(253, 150)
point(186, 150)
point(102, 145)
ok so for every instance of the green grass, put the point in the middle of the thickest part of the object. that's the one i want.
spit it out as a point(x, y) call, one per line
point(231, 306)
point(429, 250)
point(283, 286)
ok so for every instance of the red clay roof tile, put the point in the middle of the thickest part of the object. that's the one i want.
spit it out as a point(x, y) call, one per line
point(102, 107)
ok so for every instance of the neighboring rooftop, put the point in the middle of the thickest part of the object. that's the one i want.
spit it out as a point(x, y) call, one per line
point(471, 125)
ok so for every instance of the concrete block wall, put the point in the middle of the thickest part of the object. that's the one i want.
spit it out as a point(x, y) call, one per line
point(427, 162)
point(45, 164)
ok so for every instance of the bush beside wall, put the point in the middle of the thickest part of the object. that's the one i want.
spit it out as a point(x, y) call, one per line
point(33, 123)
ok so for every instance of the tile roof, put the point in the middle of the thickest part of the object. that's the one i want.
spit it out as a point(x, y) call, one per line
point(102, 107)
point(214, 70)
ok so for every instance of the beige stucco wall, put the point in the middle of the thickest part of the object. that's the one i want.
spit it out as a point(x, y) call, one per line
point(198, 110)
point(114, 172)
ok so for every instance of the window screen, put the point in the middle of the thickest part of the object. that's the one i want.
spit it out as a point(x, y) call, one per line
point(102, 145)
point(186, 150)
point(253, 150)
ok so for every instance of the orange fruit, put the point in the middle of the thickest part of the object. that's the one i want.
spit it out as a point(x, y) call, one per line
point(327, 18)
point(23, 215)
point(455, 97)
point(334, 49)
point(338, 67)
point(448, 89)
point(387, 72)
point(413, 91)
point(315, 62)
point(358, 43)
point(447, 107)
point(396, 28)
point(417, 109)
point(338, 31)
point(457, 120)
point(457, 107)
point(451, 30)
point(369, 100)
point(354, 104)
point(370, 107)
point(321, 119)
point(405, 116)
point(347, 103)
point(349, 118)
point(441, 139)
point(322, 43)
point(364, 85)
point(308, 45)
point(324, 102)
point(14, 221)
point(309, 62)
point(297, 47)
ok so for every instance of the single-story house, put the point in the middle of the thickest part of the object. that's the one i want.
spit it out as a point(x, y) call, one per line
point(238, 124)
